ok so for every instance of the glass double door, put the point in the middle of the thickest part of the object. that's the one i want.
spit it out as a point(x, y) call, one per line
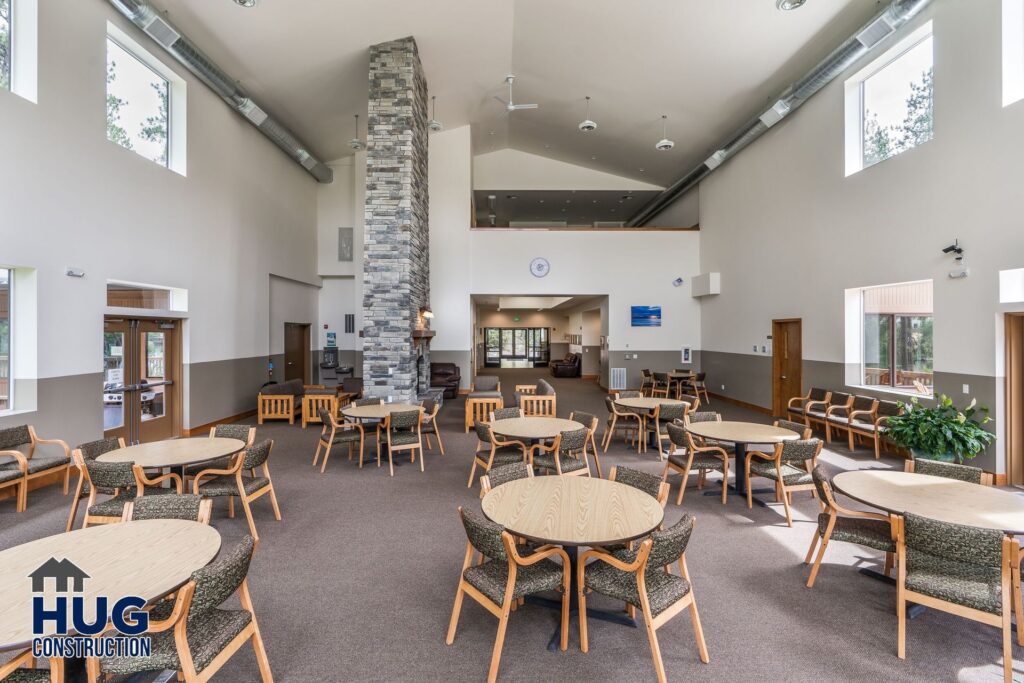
point(516, 346)
point(141, 366)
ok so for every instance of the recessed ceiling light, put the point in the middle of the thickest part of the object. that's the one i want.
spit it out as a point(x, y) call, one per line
point(568, 201)
point(541, 201)
point(593, 158)
point(642, 170)
point(595, 201)
point(784, 4)
point(246, 3)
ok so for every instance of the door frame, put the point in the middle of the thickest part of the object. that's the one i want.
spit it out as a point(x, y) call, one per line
point(1014, 399)
point(779, 402)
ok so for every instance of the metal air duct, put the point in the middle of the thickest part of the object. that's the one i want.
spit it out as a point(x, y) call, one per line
point(145, 16)
point(884, 24)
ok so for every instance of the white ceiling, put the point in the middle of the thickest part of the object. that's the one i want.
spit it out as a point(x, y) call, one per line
point(707, 64)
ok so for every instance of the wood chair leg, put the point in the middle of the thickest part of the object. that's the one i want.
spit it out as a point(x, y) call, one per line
point(1017, 602)
point(472, 471)
point(901, 622)
point(878, 453)
point(888, 564)
point(682, 487)
point(273, 502)
point(725, 483)
point(261, 652)
point(814, 544)
point(248, 517)
point(350, 451)
point(581, 600)
point(361, 449)
point(316, 454)
point(652, 636)
point(817, 561)
point(1007, 644)
point(453, 623)
point(785, 504)
point(499, 641)
point(698, 630)
point(563, 644)
point(327, 454)
point(231, 507)
point(750, 498)
point(440, 444)
point(67, 478)
point(74, 503)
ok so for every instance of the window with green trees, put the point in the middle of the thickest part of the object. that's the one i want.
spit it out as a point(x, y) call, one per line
point(5, 44)
point(898, 336)
point(138, 101)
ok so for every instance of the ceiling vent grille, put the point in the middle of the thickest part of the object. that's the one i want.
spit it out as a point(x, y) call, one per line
point(875, 32)
point(160, 31)
point(618, 378)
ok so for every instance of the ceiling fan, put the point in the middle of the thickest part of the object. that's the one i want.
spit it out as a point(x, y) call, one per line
point(510, 106)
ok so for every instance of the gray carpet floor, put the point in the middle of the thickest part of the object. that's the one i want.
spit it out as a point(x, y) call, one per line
point(356, 582)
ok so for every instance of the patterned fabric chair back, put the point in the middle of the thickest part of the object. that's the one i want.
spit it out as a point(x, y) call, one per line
point(429, 405)
point(823, 484)
point(376, 401)
point(948, 470)
point(506, 473)
point(257, 455)
point(483, 432)
point(629, 394)
point(863, 402)
point(661, 377)
point(839, 398)
point(798, 427)
point(94, 449)
point(677, 435)
point(818, 394)
point(12, 437)
point(507, 413)
point(544, 388)
point(483, 534)
point(694, 401)
point(486, 383)
point(609, 404)
point(233, 431)
point(185, 506)
point(217, 581)
point(585, 419)
point(405, 420)
point(931, 543)
point(800, 450)
point(671, 411)
point(325, 416)
point(572, 442)
point(648, 483)
point(706, 416)
point(700, 376)
point(889, 409)
point(111, 475)
point(669, 545)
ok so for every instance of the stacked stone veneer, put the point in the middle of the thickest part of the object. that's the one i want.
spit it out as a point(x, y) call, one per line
point(396, 267)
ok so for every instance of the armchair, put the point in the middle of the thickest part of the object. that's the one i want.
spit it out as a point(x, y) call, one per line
point(18, 469)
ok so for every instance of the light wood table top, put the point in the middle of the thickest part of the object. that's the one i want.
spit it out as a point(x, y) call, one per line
point(534, 427)
point(682, 375)
point(175, 452)
point(573, 511)
point(148, 558)
point(741, 432)
point(645, 402)
point(378, 412)
point(946, 500)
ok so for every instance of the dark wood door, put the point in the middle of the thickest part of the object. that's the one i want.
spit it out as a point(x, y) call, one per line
point(296, 351)
point(1015, 399)
point(787, 363)
point(142, 379)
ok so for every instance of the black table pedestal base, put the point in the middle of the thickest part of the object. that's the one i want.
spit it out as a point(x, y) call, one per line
point(733, 491)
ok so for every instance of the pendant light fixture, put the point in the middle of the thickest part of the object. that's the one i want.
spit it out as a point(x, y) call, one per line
point(586, 125)
point(355, 143)
point(434, 125)
point(664, 144)
point(787, 5)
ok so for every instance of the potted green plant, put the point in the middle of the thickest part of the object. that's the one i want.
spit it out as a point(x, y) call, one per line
point(942, 432)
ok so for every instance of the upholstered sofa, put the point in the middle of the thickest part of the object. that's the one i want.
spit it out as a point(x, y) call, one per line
point(280, 401)
point(569, 367)
point(446, 376)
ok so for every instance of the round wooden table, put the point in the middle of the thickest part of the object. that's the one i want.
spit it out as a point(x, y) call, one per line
point(741, 434)
point(570, 512)
point(148, 558)
point(534, 428)
point(176, 453)
point(378, 411)
point(947, 500)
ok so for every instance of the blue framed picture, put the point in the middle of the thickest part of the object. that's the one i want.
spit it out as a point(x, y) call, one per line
point(645, 316)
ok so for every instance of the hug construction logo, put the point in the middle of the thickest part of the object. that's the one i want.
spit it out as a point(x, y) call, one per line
point(68, 612)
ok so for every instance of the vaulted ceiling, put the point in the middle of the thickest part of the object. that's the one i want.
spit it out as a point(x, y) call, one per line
point(707, 64)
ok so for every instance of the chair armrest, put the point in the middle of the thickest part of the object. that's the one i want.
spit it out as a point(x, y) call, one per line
point(19, 457)
point(541, 448)
point(809, 404)
point(869, 413)
point(181, 600)
point(608, 558)
point(881, 421)
point(57, 442)
point(789, 404)
point(721, 451)
point(25, 659)
point(761, 455)
point(142, 481)
point(548, 551)
point(831, 409)
point(234, 469)
point(499, 442)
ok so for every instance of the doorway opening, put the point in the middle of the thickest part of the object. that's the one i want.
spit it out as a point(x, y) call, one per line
point(511, 347)
point(141, 379)
point(787, 363)
point(296, 352)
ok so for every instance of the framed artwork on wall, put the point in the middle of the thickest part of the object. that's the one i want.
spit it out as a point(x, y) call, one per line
point(645, 316)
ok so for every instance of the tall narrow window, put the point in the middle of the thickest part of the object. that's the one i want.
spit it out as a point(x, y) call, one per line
point(6, 399)
point(138, 105)
point(898, 336)
point(6, 40)
point(890, 104)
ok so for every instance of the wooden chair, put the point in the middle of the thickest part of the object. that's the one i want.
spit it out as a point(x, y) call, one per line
point(800, 428)
point(797, 406)
point(651, 484)
point(275, 407)
point(403, 434)
point(661, 385)
point(313, 402)
point(506, 414)
point(429, 427)
point(691, 400)
point(537, 406)
point(840, 417)
point(124, 481)
point(241, 432)
point(29, 465)
point(504, 474)
point(526, 389)
point(567, 454)
point(876, 429)
point(949, 470)
point(376, 423)
point(839, 405)
point(22, 669)
point(695, 456)
point(700, 387)
point(782, 467)
point(186, 506)
point(231, 482)
point(663, 416)
point(836, 523)
point(590, 422)
point(479, 409)
point(89, 451)
point(643, 579)
point(646, 382)
point(498, 452)
point(621, 420)
point(205, 635)
point(957, 569)
point(335, 433)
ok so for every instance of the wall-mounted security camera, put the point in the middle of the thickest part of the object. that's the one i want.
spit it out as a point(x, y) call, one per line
point(953, 248)
point(960, 270)
point(678, 282)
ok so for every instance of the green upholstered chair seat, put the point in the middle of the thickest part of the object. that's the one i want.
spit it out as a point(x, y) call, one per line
point(428, 427)
point(404, 438)
point(506, 455)
point(958, 582)
point(491, 578)
point(208, 634)
point(28, 676)
point(791, 476)
point(115, 506)
point(9, 473)
point(226, 485)
point(346, 436)
point(37, 463)
point(663, 590)
point(873, 533)
point(701, 461)
point(838, 419)
point(819, 414)
point(568, 463)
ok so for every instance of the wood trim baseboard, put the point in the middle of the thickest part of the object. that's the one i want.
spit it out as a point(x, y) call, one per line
point(202, 430)
point(743, 404)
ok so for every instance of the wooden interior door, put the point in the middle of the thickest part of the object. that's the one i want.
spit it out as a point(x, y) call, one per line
point(1014, 324)
point(787, 363)
point(296, 351)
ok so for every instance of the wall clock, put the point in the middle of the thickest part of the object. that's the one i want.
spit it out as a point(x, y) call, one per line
point(540, 267)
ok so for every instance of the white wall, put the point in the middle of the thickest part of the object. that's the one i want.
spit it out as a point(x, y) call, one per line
point(71, 198)
point(337, 297)
point(292, 302)
point(511, 169)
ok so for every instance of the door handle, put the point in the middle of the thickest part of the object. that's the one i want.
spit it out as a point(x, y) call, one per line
point(782, 377)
